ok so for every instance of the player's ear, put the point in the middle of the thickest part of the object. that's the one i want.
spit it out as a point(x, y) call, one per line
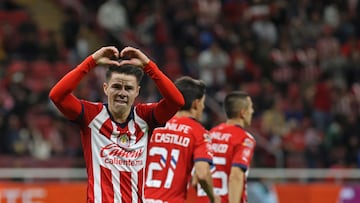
point(195, 104)
point(105, 87)
point(242, 113)
point(138, 90)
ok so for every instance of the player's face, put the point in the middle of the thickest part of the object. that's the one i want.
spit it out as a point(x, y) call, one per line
point(121, 90)
point(248, 112)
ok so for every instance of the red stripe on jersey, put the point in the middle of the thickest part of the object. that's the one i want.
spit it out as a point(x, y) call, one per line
point(139, 134)
point(107, 191)
point(140, 185)
point(89, 169)
point(106, 128)
point(125, 185)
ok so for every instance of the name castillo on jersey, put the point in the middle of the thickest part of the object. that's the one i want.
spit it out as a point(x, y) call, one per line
point(165, 137)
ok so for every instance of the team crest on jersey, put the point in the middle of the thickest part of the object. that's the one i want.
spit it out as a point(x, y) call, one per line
point(123, 140)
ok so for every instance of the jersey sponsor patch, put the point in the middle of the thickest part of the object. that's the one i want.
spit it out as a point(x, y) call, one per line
point(248, 143)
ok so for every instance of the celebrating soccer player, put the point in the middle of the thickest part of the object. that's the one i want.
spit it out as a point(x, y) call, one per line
point(115, 134)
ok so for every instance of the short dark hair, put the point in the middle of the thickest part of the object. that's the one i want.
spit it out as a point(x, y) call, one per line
point(191, 89)
point(234, 102)
point(127, 70)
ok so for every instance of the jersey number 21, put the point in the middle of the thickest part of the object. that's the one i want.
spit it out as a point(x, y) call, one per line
point(161, 165)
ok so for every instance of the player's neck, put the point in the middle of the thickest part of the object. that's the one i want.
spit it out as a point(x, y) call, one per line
point(120, 117)
point(184, 114)
point(235, 121)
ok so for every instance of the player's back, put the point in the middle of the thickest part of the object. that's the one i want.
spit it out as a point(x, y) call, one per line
point(231, 146)
point(224, 141)
point(171, 156)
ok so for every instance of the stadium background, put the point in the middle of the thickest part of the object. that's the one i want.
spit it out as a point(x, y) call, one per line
point(299, 60)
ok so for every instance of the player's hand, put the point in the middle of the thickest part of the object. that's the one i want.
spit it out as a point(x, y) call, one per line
point(104, 56)
point(134, 57)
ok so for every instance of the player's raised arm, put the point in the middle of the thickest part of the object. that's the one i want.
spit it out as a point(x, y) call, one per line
point(61, 93)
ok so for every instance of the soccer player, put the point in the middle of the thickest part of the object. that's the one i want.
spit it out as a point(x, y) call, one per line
point(115, 134)
point(233, 149)
point(183, 143)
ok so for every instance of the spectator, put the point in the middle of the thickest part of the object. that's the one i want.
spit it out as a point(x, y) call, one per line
point(70, 29)
point(28, 48)
point(208, 12)
point(322, 103)
point(49, 47)
point(112, 17)
point(16, 136)
point(314, 148)
point(212, 66)
point(294, 145)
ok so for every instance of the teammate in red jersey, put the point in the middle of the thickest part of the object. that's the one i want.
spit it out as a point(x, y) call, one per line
point(233, 148)
point(115, 134)
point(183, 143)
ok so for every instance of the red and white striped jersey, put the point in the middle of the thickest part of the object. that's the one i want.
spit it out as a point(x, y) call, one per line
point(115, 154)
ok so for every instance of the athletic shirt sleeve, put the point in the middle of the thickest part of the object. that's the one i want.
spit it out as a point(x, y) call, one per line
point(145, 111)
point(172, 98)
point(202, 151)
point(244, 151)
point(61, 94)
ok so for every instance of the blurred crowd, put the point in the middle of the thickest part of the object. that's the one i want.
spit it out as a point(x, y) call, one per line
point(298, 59)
